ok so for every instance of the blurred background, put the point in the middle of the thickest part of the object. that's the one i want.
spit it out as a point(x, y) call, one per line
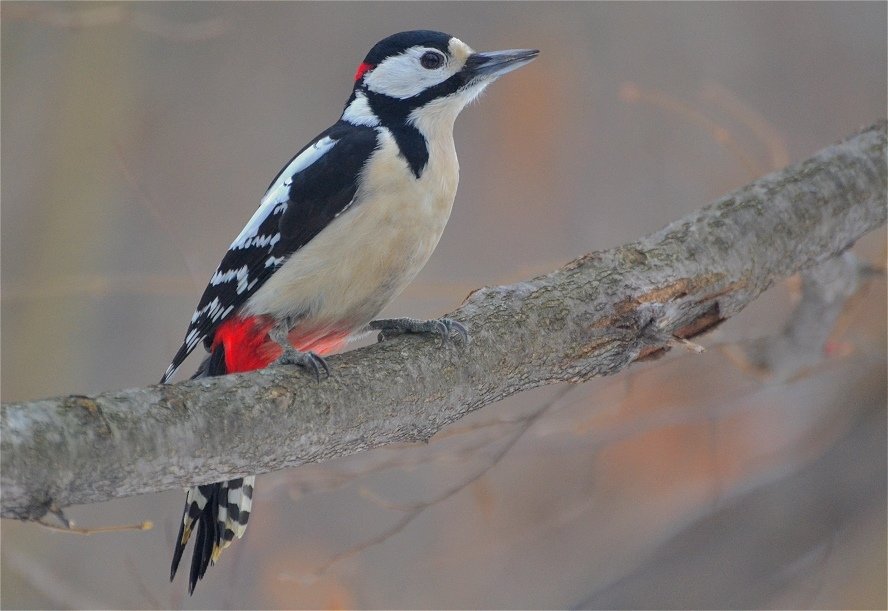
point(137, 139)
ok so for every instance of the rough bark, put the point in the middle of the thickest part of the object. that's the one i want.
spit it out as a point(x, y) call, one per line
point(594, 316)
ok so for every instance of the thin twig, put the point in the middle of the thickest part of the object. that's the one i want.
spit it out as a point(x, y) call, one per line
point(74, 530)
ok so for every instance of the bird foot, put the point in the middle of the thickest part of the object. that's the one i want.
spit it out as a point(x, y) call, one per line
point(311, 362)
point(391, 327)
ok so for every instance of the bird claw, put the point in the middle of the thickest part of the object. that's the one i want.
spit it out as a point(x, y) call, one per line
point(444, 327)
point(309, 361)
point(455, 325)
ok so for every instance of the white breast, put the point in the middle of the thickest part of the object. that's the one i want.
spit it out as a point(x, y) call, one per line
point(347, 273)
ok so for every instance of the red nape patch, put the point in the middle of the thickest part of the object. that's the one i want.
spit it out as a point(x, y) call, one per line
point(361, 70)
point(246, 343)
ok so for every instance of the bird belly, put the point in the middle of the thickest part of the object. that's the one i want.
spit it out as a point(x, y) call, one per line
point(366, 256)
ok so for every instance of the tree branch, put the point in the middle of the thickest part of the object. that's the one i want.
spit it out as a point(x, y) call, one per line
point(594, 316)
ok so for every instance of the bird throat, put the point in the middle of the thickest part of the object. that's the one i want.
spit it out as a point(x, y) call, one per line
point(394, 115)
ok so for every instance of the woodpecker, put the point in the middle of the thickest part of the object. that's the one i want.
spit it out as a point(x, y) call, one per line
point(341, 230)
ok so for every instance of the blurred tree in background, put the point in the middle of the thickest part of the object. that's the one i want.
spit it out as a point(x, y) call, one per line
point(137, 139)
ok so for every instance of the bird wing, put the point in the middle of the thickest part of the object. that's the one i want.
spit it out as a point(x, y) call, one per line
point(317, 185)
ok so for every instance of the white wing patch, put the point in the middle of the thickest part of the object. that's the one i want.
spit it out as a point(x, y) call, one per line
point(260, 241)
point(219, 277)
point(192, 338)
point(240, 274)
point(232, 280)
point(214, 310)
point(275, 199)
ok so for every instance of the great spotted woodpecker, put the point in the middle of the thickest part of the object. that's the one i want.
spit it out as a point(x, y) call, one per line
point(342, 229)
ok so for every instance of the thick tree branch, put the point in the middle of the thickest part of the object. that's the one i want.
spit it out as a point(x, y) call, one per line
point(594, 316)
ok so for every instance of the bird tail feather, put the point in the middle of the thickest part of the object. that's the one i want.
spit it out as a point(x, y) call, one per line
point(216, 513)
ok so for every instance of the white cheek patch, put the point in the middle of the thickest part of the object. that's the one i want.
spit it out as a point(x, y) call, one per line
point(402, 76)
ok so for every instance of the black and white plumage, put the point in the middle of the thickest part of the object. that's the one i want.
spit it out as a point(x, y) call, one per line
point(310, 191)
point(341, 230)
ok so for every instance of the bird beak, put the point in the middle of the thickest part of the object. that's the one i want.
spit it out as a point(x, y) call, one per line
point(493, 64)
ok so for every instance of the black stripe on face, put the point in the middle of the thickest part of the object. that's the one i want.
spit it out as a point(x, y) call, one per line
point(392, 114)
point(398, 109)
point(444, 88)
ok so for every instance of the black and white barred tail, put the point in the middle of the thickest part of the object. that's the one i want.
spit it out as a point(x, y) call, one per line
point(218, 513)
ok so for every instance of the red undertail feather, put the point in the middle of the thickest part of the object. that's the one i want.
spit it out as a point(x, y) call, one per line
point(246, 343)
point(248, 347)
point(320, 344)
point(218, 513)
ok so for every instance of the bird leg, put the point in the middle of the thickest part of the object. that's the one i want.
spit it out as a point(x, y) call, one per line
point(390, 327)
point(309, 361)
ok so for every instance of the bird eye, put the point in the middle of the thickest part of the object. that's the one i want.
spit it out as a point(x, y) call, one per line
point(431, 60)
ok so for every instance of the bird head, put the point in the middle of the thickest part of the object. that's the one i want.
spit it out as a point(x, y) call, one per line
point(424, 78)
